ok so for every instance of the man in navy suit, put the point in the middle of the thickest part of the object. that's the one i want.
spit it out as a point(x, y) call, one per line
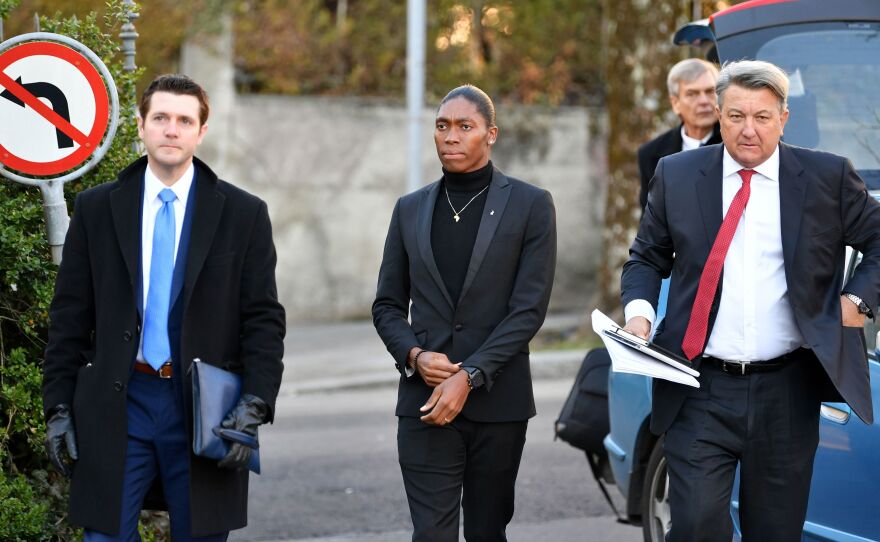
point(753, 234)
point(165, 265)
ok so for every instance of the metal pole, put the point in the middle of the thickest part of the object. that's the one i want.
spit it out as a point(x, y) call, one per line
point(129, 35)
point(415, 88)
point(55, 210)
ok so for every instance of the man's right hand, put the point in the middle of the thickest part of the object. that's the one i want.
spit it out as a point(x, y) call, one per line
point(638, 325)
point(435, 367)
point(61, 437)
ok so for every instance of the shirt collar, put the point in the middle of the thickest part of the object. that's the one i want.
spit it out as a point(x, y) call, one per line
point(769, 168)
point(688, 143)
point(152, 185)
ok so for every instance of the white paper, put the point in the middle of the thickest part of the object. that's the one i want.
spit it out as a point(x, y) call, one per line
point(628, 360)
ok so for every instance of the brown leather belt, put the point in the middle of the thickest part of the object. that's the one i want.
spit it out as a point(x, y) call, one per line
point(164, 371)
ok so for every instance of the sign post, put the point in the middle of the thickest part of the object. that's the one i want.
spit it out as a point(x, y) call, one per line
point(60, 110)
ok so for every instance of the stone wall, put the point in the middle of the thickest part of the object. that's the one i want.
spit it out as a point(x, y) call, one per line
point(331, 170)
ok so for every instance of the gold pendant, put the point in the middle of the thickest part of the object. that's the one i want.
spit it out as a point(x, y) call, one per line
point(456, 218)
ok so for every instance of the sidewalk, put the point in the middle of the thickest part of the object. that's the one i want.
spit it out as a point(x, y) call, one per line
point(322, 357)
point(350, 355)
point(594, 529)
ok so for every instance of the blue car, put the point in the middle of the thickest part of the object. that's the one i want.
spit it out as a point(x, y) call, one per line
point(831, 50)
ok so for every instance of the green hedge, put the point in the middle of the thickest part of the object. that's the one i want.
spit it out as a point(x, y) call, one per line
point(34, 496)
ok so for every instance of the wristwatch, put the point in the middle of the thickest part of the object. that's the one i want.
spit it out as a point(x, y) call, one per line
point(475, 377)
point(862, 306)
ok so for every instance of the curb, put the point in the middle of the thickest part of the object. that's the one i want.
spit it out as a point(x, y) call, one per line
point(544, 365)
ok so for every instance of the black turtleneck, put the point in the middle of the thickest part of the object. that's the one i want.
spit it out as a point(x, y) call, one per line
point(451, 241)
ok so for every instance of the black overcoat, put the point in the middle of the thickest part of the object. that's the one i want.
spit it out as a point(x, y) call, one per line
point(669, 142)
point(230, 317)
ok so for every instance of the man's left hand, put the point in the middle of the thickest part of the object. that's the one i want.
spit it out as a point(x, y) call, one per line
point(849, 313)
point(247, 415)
point(447, 400)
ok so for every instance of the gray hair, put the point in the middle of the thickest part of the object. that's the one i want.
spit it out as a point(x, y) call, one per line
point(687, 71)
point(755, 75)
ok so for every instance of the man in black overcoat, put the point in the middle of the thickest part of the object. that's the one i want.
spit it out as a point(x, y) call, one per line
point(691, 86)
point(165, 265)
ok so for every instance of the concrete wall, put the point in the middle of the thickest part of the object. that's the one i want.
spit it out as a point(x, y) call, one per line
point(331, 170)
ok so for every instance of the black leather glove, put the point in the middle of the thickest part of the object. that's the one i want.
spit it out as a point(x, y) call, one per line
point(247, 415)
point(60, 436)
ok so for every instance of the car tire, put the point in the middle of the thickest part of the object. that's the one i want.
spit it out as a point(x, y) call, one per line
point(656, 519)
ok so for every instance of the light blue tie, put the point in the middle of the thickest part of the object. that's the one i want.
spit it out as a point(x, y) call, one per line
point(157, 348)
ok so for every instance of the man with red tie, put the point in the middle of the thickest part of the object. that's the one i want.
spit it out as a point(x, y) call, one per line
point(753, 234)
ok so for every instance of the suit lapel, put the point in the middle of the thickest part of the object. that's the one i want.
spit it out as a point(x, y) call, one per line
point(496, 202)
point(206, 216)
point(710, 196)
point(791, 202)
point(425, 218)
point(125, 206)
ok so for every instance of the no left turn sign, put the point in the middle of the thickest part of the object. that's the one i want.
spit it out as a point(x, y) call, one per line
point(54, 107)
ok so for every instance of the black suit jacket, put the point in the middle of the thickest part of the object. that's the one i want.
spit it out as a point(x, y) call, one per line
point(502, 305)
point(669, 142)
point(227, 314)
point(824, 206)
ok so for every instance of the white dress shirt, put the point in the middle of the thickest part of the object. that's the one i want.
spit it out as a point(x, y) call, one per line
point(688, 143)
point(151, 206)
point(755, 321)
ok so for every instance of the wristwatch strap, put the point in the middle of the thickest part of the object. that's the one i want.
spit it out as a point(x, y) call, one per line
point(862, 306)
point(475, 377)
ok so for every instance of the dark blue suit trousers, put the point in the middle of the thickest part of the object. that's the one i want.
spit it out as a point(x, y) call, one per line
point(158, 445)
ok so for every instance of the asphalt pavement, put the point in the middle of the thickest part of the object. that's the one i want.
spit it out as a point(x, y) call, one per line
point(350, 355)
point(331, 455)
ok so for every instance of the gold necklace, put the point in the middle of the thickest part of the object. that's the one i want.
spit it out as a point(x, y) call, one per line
point(456, 213)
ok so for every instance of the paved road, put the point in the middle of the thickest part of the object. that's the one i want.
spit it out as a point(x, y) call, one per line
point(331, 473)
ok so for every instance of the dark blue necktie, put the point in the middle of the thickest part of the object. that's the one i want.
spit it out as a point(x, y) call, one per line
point(157, 348)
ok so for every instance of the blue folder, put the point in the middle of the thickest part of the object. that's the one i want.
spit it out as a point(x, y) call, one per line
point(215, 393)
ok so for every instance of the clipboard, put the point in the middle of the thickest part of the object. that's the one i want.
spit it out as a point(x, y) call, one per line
point(632, 354)
point(641, 345)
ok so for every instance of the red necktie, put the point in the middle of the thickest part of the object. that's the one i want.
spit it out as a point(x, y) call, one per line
point(695, 336)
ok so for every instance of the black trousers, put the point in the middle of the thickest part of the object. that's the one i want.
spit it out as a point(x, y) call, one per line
point(464, 464)
point(766, 422)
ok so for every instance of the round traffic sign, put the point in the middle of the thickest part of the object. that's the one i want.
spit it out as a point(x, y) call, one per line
point(55, 107)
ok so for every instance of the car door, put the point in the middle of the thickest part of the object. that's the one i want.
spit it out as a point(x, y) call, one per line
point(845, 491)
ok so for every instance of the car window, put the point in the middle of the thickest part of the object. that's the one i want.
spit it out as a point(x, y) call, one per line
point(833, 96)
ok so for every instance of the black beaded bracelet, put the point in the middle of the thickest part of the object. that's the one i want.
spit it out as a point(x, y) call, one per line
point(416, 359)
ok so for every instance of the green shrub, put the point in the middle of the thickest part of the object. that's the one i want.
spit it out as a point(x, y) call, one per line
point(23, 512)
point(34, 497)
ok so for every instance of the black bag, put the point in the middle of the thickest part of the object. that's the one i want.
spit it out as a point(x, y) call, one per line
point(584, 422)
